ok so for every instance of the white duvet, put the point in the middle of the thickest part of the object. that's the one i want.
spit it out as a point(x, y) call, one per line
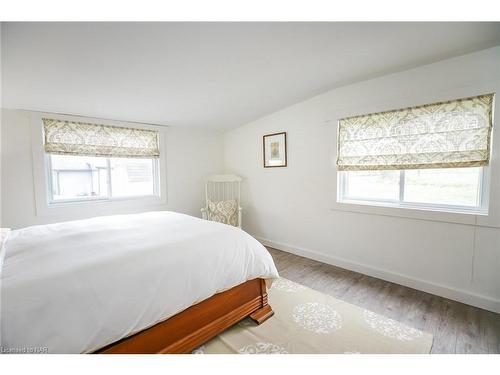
point(77, 286)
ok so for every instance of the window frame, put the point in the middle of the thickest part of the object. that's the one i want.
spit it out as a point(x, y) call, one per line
point(54, 202)
point(84, 208)
point(480, 209)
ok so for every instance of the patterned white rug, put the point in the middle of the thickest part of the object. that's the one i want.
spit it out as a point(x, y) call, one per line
point(307, 321)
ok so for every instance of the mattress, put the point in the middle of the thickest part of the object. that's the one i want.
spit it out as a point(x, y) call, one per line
point(74, 287)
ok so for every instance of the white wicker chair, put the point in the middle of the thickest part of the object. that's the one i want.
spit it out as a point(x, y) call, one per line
point(222, 187)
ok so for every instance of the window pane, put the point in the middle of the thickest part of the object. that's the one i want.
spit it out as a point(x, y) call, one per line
point(372, 185)
point(131, 177)
point(454, 186)
point(77, 177)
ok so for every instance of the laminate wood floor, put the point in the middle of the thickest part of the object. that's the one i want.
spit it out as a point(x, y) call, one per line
point(456, 327)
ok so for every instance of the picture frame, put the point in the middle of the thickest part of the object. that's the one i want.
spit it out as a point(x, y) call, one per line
point(274, 149)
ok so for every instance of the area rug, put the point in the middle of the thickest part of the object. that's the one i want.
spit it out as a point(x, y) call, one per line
point(307, 321)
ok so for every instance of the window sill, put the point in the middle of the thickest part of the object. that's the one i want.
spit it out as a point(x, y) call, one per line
point(409, 212)
point(104, 206)
point(82, 202)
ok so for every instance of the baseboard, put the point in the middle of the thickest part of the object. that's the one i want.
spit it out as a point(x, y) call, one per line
point(473, 299)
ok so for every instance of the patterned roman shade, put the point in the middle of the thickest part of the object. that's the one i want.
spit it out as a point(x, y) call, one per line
point(84, 139)
point(441, 135)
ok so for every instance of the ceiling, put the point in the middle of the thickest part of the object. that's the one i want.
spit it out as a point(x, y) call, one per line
point(213, 75)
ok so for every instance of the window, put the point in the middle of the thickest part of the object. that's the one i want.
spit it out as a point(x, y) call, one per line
point(430, 157)
point(450, 189)
point(85, 178)
point(91, 162)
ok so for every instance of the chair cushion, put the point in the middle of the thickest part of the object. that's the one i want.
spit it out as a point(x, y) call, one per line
point(223, 212)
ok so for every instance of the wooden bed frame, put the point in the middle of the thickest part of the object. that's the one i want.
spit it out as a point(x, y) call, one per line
point(194, 326)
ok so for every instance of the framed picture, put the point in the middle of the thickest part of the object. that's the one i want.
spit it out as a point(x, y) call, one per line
point(274, 150)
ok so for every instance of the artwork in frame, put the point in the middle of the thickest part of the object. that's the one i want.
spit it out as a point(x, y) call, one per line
point(275, 151)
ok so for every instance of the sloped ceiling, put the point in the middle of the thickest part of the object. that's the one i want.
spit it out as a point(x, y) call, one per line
point(214, 75)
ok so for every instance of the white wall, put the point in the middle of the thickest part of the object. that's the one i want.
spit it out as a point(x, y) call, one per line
point(1, 89)
point(192, 154)
point(294, 208)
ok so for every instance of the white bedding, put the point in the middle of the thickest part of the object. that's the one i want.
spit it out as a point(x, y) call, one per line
point(4, 233)
point(76, 286)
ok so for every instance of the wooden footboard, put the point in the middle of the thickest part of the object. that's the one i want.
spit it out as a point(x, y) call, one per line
point(196, 325)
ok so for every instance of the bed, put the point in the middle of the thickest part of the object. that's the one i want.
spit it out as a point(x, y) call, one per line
point(156, 282)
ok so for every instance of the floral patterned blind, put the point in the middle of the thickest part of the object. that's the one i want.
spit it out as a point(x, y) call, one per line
point(441, 135)
point(84, 139)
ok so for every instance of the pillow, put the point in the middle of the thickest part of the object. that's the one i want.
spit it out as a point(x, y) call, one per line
point(223, 212)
